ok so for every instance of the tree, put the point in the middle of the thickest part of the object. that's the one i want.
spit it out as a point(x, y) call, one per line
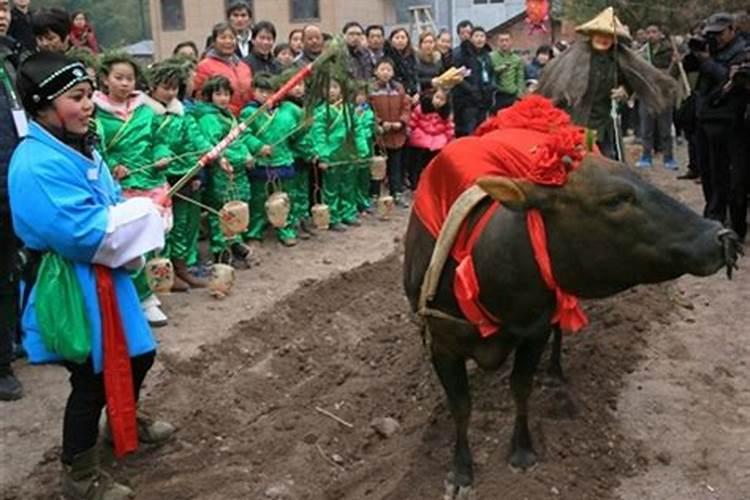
point(117, 22)
point(677, 15)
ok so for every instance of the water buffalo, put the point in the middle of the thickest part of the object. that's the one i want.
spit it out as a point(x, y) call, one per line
point(607, 230)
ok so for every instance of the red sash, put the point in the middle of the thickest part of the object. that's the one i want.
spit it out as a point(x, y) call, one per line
point(118, 375)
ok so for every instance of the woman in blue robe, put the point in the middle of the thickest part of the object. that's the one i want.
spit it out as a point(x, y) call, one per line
point(64, 201)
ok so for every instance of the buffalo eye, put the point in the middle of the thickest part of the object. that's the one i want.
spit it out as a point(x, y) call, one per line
point(619, 200)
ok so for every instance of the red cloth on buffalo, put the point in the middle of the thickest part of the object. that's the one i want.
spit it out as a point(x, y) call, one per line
point(531, 140)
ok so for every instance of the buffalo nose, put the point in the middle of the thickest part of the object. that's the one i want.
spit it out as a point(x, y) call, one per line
point(732, 249)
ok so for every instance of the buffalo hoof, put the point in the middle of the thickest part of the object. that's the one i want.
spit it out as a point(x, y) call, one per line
point(453, 492)
point(458, 487)
point(522, 460)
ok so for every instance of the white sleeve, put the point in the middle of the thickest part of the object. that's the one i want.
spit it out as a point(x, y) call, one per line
point(134, 228)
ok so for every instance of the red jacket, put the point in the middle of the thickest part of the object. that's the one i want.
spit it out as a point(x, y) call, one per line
point(84, 38)
point(239, 74)
point(429, 130)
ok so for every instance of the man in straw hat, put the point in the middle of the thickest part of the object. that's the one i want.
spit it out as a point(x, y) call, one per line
point(598, 70)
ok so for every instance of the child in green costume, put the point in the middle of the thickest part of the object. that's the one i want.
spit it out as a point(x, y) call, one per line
point(303, 163)
point(126, 125)
point(329, 136)
point(180, 132)
point(270, 138)
point(226, 179)
point(366, 129)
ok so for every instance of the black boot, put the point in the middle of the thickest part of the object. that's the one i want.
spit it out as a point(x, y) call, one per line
point(84, 480)
point(10, 387)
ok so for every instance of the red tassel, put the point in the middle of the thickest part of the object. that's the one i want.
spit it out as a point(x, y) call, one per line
point(118, 374)
point(568, 313)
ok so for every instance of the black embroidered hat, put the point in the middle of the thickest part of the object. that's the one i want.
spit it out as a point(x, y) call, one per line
point(45, 76)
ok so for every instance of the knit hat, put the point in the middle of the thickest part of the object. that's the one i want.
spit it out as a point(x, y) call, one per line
point(606, 23)
point(45, 76)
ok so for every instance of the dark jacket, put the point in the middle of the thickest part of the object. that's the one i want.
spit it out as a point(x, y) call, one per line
point(8, 142)
point(713, 73)
point(360, 64)
point(20, 29)
point(533, 71)
point(659, 54)
point(427, 70)
point(304, 59)
point(405, 71)
point(262, 64)
point(448, 59)
point(476, 89)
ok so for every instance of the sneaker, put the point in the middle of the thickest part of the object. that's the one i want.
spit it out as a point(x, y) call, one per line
point(670, 164)
point(290, 242)
point(338, 227)
point(644, 162)
point(10, 388)
point(353, 222)
point(155, 316)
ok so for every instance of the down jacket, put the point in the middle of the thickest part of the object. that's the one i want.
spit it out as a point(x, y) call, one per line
point(391, 104)
point(429, 130)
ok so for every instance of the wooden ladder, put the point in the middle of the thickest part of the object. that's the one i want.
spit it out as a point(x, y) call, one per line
point(421, 20)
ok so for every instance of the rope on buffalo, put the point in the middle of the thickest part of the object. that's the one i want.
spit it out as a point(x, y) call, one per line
point(462, 207)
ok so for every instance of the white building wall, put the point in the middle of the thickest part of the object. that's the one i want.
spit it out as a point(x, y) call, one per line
point(487, 14)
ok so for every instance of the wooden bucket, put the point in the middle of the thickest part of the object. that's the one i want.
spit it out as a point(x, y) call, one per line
point(378, 168)
point(222, 280)
point(277, 209)
point(234, 218)
point(321, 216)
point(160, 275)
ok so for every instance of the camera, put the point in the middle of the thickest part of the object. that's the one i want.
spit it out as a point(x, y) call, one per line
point(704, 43)
point(697, 44)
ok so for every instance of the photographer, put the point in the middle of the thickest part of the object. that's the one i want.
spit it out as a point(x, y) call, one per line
point(712, 57)
point(734, 97)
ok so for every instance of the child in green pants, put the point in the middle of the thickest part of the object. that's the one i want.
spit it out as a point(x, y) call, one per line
point(365, 130)
point(304, 155)
point(329, 136)
point(269, 138)
point(227, 180)
point(179, 131)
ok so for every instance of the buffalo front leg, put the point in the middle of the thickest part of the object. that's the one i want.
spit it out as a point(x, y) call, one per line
point(554, 376)
point(528, 353)
point(451, 370)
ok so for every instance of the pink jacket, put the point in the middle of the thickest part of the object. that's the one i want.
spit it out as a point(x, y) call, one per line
point(429, 130)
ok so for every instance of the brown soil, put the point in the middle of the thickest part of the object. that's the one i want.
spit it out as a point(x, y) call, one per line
point(656, 407)
point(249, 429)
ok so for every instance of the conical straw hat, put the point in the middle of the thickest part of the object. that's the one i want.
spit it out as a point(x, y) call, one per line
point(606, 22)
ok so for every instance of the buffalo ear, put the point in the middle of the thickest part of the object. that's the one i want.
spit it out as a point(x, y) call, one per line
point(511, 193)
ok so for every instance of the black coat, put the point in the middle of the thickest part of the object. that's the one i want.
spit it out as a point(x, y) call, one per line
point(476, 90)
point(261, 64)
point(360, 64)
point(8, 143)
point(405, 71)
point(426, 71)
point(20, 29)
point(713, 73)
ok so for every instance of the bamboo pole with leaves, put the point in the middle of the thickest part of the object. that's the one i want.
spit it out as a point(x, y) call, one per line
point(334, 56)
